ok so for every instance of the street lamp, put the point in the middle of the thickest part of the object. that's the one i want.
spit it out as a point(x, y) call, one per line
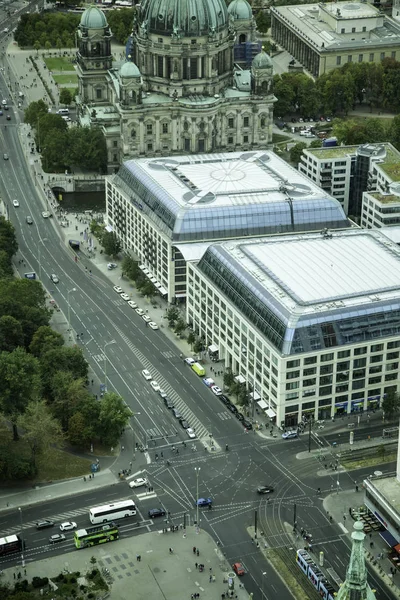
point(22, 538)
point(105, 362)
point(263, 578)
point(197, 471)
point(69, 309)
point(39, 256)
point(134, 414)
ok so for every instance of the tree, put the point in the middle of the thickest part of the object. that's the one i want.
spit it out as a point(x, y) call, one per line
point(391, 405)
point(113, 418)
point(148, 289)
point(11, 333)
point(87, 148)
point(37, 47)
point(285, 94)
point(180, 326)
point(229, 379)
point(198, 346)
point(172, 316)
point(8, 239)
point(394, 132)
point(263, 20)
point(316, 144)
point(65, 96)
point(296, 151)
point(68, 393)
point(62, 359)
point(47, 47)
point(352, 132)
point(6, 270)
point(130, 268)
point(191, 338)
point(111, 244)
point(338, 91)
point(41, 430)
point(20, 384)
point(120, 22)
point(242, 396)
point(44, 339)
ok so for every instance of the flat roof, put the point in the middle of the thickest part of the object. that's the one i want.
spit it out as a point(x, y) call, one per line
point(313, 272)
point(228, 195)
point(308, 22)
point(389, 487)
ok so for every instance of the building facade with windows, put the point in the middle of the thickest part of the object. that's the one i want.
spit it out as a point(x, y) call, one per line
point(346, 172)
point(167, 211)
point(178, 90)
point(325, 36)
point(311, 322)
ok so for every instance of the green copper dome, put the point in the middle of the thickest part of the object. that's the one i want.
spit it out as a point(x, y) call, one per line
point(93, 18)
point(184, 18)
point(240, 10)
point(262, 61)
point(129, 70)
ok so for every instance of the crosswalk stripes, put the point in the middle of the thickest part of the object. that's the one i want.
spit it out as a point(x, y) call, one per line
point(146, 496)
point(168, 354)
point(98, 357)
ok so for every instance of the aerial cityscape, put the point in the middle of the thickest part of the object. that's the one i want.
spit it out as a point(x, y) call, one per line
point(200, 300)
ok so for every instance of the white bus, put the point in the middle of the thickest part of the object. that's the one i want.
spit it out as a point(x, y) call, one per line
point(111, 512)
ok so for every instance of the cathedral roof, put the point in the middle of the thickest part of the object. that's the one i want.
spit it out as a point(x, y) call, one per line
point(93, 18)
point(184, 18)
point(262, 61)
point(129, 70)
point(240, 10)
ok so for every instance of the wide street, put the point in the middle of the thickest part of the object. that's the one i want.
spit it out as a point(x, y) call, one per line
point(114, 335)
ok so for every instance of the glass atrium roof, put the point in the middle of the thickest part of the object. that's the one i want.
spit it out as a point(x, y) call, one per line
point(209, 197)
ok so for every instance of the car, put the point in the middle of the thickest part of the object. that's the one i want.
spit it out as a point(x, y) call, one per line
point(156, 386)
point(239, 416)
point(132, 304)
point(140, 311)
point(139, 482)
point(5, 106)
point(146, 375)
point(54, 278)
point(232, 408)
point(1, 113)
point(191, 433)
point(57, 537)
point(67, 526)
point(29, 220)
point(248, 424)
point(146, 318)
point(238, 568)
point(184, 423)
point(111, 266)
point(168, 403)
point(265, 489)
point(189, 361)
point(287, 435)
point(208, 381)
point(177, 414)
point(5, 156)
point(8, 117)
point(156, 512)
point(45, 214)
point(224, 399)
point(125, 297)
point(153, 325)
point(204, 502)
point(117, 289)
point(216, 390)
point(15, 202)
point(44, 524)
point(162, 393)
point(4, 102)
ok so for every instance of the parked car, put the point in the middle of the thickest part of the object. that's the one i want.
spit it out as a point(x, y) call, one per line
point(57, 537)
point(209, 381)
point(191, 433)
point(111, 266)
point(153, 325)
point(140, 311)
point(5, 156)
point(139, 482)
point(248, 424)
point(156, 512)
point(146, 318)
point(118, 289)
point(204, 502)
point(68, 526)
point(177, 414)
point(216, 390)
point(44, 523)
point(156, 386)
point(125, 297)
point(46, 215)
point(132, 304)
point(162, 393)
point(189, 361)
point(184, 423)
point(287, 435)
point(168, 403)
point(238, 568)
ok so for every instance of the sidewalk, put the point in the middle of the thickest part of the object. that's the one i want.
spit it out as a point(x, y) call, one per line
point(143, 567)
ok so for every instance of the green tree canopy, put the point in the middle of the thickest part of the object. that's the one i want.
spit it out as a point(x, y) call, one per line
point(391, 405)
point(351, 131)
point(8, 240)
point(120, 22)
point(45, 27)
point(44, 339)
point(111, 244)
point(65, 96)
point(130, 268)
point(11, 333)
point(40, 428)
point(113, 418)
point(296, 151)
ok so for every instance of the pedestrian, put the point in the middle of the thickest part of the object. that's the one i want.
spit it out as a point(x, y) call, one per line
point(210, 579)
point(344, 518)
point(194, 549)
point(84, 478)
point(196, 565)
point(24, 571)
point(371, 544)
point(356, 488)
point(122, 448)
point(213, 578)
point(162, 454)
point(197, 552)
point(171, 550)
point(14, 576)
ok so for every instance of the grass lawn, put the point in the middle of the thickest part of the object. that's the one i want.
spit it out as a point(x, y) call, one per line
point(372, 461)
point(277, 138)
point(58, 63)
point(72, 78)
point(61, 465)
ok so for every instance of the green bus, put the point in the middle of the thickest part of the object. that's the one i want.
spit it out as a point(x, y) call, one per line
point(84, 538)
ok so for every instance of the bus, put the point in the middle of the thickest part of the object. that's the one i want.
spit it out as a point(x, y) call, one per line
point(84, 538)
point(9, 544)
point(110, 512)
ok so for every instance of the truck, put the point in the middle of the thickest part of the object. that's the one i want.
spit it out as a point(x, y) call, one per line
point(198, 369)
point(329, 142)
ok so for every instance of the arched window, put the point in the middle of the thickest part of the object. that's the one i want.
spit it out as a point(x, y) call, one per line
point(262, 122)
point(264, 87)
point(133, 134)
point(242, 38)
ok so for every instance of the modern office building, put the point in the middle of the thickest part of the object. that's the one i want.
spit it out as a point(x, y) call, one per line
point(179, 90)
point(346, 172)
point(168, 210)
point(311, 321)
point(325, 36)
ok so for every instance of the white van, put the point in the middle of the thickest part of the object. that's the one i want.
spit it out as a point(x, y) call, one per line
point(63, 111)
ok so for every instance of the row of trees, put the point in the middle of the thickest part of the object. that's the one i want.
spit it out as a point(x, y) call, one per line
point(57, 29)
point(340, 90)
point(63, 147)
point(44, 395)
